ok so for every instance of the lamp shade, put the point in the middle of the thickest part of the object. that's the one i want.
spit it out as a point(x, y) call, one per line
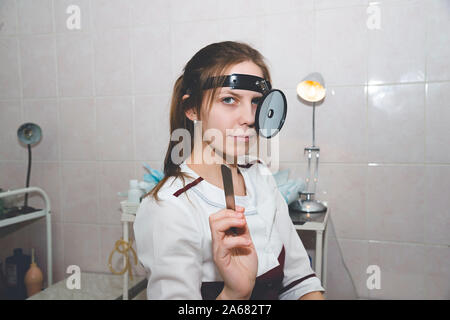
point(29, 133)
point(312, 88)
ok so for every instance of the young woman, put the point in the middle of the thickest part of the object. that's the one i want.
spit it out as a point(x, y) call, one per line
point(182, 227)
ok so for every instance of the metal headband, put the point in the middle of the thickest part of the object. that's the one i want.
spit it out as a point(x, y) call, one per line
point(241, 81)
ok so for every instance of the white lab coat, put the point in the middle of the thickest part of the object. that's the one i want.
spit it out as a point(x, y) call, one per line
point(173, 237)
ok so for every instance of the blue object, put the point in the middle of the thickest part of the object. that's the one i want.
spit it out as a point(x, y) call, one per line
point(154, 177)
point(281, 177)
point(291, 190)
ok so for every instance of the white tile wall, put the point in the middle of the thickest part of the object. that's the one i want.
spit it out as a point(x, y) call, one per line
point(402, 269)
point(287, 37)
point(438, 44)
point(397, 49)
point(110, 14)
point(38, 66)
point(79, 193)
point(112, 62)
point(437, 133)
point(396, 213)
point(437, 179)
point(152, 71)
point(396, 125)
point(143, 14)
point(101, 95)
point(114, 128)
point(35, 16)
point(75, 65)
point(340, 49)
point(77, 129)
point(11, 119)
point(10, 86)
point(343, 130)
point(151, 121)
point(8, 17)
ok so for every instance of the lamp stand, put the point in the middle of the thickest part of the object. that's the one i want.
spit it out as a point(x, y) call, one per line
point(28, 175)
point(26, 209)
point(310, 205)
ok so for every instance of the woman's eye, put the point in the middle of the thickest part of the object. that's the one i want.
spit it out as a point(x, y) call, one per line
point(226, 100)
point(231, 100)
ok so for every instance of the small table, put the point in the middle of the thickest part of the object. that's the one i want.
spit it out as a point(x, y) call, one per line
point(315, 222)
point(93, 286)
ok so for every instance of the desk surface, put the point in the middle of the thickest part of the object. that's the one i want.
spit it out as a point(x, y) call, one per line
point(94, 286)
point(311, 221)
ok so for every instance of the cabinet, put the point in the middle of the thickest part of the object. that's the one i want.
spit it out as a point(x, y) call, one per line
point(43, 213)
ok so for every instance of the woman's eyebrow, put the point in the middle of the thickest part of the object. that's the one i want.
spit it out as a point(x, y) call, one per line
point(237, 94)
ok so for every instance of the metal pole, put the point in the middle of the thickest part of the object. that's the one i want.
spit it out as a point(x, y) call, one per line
point(125, 275)
point(49, 250)
point(28, 176)
point(309, 170)
point(316, 172)
point(313, 124)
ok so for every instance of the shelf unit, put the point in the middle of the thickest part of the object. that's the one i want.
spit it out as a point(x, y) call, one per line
point(321, 230)
point(128, 216)
point(32, 216)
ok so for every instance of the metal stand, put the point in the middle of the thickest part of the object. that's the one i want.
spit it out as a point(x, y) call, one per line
point(310, 205)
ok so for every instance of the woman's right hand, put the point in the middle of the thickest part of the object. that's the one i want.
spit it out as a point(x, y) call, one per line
point(234, 253)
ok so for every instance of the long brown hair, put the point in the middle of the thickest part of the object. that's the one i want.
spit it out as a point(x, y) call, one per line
point(210, 61)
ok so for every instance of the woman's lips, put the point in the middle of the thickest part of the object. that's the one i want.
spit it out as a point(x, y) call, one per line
point(241, 138)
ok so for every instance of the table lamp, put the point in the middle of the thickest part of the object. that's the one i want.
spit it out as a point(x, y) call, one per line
point(311, 89)
point(29, 134)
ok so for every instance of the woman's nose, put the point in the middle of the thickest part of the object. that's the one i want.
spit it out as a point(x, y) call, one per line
point(248, 111)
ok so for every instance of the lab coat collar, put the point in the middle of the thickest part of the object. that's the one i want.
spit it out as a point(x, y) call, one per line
point(215, 196)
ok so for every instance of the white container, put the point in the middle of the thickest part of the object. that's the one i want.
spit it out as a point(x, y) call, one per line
point(135, 193)
point(129, 208)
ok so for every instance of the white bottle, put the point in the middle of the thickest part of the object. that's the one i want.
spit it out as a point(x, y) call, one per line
point(134, 194)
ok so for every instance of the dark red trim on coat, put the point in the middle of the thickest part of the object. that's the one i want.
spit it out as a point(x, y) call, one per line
point(188, 186)
point(248, 165)
point(296, 282)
